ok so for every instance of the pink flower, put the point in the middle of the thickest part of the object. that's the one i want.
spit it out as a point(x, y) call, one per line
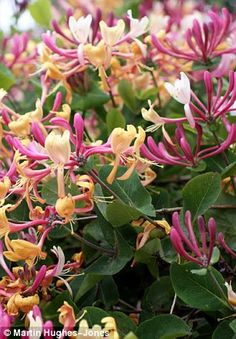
point(200, 254)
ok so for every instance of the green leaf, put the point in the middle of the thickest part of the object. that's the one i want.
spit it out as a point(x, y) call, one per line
point(232, 325)
point(94, 315)
point(109, 291)
point(49, 191)
point(92, 99)
point(127, 94)
point(41, 12)
point(159, 296)
point(199, 291)
point(84, 283)
point(229, 171)
point(7, 79)
point(108, 265)
point(164, 326)
point(119, 214)
point(223, 330)
point(200, 193)
point(114, 119)
point(131, 192)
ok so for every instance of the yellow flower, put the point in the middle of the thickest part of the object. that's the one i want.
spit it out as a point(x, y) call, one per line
point(21, 126)
point(65, 113)
point(58, 146)
point(22, 250)
point(110, 325)
point(97, 55)
point(120, 142)
point(231, 294)
point(67, 315)
point(4, 187)
point(24, 304)
point(65, 207)
point(4, 226)
point(112, 34)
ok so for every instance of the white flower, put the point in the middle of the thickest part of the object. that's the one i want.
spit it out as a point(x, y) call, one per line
point(36, 325)
point(3, 93)
point(137, 27)
point(61, 260)
point(181, 92)
point(81, 29)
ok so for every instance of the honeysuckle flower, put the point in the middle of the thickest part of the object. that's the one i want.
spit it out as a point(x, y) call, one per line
point(179, 151)
point(225, 246)
point(3, 263)
point(84, 329)
point(19, 303)
point(200, 254)
point(181, 91)
point(231, 294)
point(5, 184)
point(18, 249)
point(218, 103)
point(111, 35)
point(65, 207)
point(204, 41)
point(67, 316)
point(21, 126)
point(35, 323)
point(110, 326)
point(3, 93)
point(81, 28)
point(58, 146)
point(148, 227)
point(137, 27)
point(6, 321)
point(152, 116)
point(120, 143)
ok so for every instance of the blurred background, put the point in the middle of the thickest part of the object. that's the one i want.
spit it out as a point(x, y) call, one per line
point(21, 15)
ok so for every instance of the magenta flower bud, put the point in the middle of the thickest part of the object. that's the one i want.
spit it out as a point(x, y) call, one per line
point(38, 279)
point(37, 132)
point(201, 254)
point(79, 131)
point(48, 330)
point(57, 102)
point(225, 246)
point(178, 245)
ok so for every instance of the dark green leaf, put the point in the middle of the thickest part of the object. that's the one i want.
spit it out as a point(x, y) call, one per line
point(200, 193)
point(200, 291)
point(109, 265)
point(164, 326)
point(92, 99)
point(130, 191)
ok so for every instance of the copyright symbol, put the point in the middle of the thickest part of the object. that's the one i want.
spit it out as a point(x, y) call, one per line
point(7, 332)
